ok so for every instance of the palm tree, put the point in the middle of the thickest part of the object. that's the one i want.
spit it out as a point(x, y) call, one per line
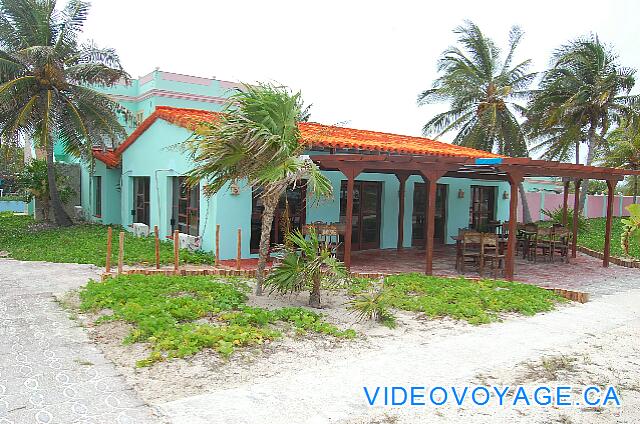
point(482, 89)
point(257, 140)
point(45, 83)
point(579, 98)
point(624, 151)
point(306, 263)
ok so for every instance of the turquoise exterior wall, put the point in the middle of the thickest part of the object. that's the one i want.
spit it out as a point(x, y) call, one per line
point(12, 206)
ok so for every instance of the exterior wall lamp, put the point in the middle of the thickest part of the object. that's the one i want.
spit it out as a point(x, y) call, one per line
point(461, 194)
point(505, 195)
point(235, 189)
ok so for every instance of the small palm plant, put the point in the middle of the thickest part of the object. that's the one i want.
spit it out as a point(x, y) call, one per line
point(306, 263)
point(631, 227)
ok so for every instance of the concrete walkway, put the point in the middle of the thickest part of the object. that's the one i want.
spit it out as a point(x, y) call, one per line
point(333, 392)
point(50, 372)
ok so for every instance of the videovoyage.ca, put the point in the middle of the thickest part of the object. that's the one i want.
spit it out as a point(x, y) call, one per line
point(505, 396)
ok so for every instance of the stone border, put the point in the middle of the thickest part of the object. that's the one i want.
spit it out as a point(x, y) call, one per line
point(576, 296)
point(628, 263)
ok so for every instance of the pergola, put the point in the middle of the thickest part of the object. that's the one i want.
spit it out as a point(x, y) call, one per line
point(433, 167)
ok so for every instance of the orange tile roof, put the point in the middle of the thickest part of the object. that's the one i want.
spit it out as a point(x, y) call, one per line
point(312, 134)
point(320, 135)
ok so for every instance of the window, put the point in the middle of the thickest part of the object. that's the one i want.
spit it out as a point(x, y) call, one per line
point(97, 196)
point(186, 207)
point(289, 215)
point(483, 207)
point(141, 196)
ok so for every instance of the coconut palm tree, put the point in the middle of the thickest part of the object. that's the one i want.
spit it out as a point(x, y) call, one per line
point(579, 99)
point(257, 140)
point(624, 152)
point(46, 76)
point(482, 87)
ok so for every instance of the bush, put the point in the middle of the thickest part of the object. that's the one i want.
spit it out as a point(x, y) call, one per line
point(555, 215)
point(371, 305)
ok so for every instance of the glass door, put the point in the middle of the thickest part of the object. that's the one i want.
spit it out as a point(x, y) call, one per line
point(419, 210)
point(483, 207)
point(141, 195)
point(365, 229)
point(289, 215)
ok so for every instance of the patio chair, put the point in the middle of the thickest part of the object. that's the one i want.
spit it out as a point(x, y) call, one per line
point(561, 242)
point(542, 242)
point(490, 253)
point(471, 250)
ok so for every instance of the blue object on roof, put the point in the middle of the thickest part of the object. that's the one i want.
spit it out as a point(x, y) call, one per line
point(488, 161)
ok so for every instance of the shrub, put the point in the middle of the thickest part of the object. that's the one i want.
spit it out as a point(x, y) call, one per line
point(371, 305)
point(555, 215)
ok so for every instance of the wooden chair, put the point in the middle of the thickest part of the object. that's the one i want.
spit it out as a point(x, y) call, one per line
point(542, 241)
point(561, 242)
point(471, 250)
point(490, 253)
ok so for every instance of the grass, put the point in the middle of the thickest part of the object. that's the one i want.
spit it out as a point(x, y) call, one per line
point(84, 244)
point(477, 302)
point(593, 237)
point(12, 198)
point(179, 316)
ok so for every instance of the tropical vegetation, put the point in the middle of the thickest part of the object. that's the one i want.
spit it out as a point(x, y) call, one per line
point(33, 182)
point(46, 75)
point(630, 228)
point(477, 302)
point(584, 95)
point(305, 263)
point(257, 141)
point(26, 240)
point(180, 316)
point(484, 89)
point(624, 152)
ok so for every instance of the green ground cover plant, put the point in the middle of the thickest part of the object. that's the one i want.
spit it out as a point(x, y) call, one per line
point(83, 243)
point(12, 198)
point(593, 237)
point(179, 316)
point(475, 301)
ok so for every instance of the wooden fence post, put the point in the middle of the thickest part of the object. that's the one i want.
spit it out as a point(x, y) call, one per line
point(176, 251)
point(157, 236)
point(120, 252)
point(108, 262)
point(217, 245)
point(239, 253)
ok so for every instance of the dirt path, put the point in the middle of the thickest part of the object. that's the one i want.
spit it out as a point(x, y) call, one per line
point(332, 392)
point(50, 372)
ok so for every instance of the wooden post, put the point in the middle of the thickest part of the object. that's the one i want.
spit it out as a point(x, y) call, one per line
point(120, 252)
point(108, 260)
point(351, 174)
point(430, 177)
point(510, 255)
point(431, 187)
point(576, 214)
point(157, 247)
point(217, 245)
point(611, 184)
point(565, 203)
point(239, 251)
point(402, 178)
point(176, 251)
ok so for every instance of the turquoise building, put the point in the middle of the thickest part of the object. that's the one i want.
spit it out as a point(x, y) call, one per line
point(140, 181)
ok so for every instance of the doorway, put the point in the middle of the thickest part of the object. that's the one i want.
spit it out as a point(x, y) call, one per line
point(141, 196)
point(290, 215)
point(419, 210)
point(483, 207)
point(365, 229)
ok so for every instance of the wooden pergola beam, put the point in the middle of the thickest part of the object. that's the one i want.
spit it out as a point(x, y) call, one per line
point(402, 179)
point(611, 185)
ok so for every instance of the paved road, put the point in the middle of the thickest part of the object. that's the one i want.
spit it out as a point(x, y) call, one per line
point(49, 371)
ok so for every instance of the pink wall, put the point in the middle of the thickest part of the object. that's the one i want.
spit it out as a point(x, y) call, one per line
point(595, 206)
point(628, 200)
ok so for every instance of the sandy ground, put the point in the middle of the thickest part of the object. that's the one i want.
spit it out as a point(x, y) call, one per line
point(179, 378)
point(317, 379)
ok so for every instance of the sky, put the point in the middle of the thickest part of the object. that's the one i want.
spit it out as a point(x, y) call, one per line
point(360, 63)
